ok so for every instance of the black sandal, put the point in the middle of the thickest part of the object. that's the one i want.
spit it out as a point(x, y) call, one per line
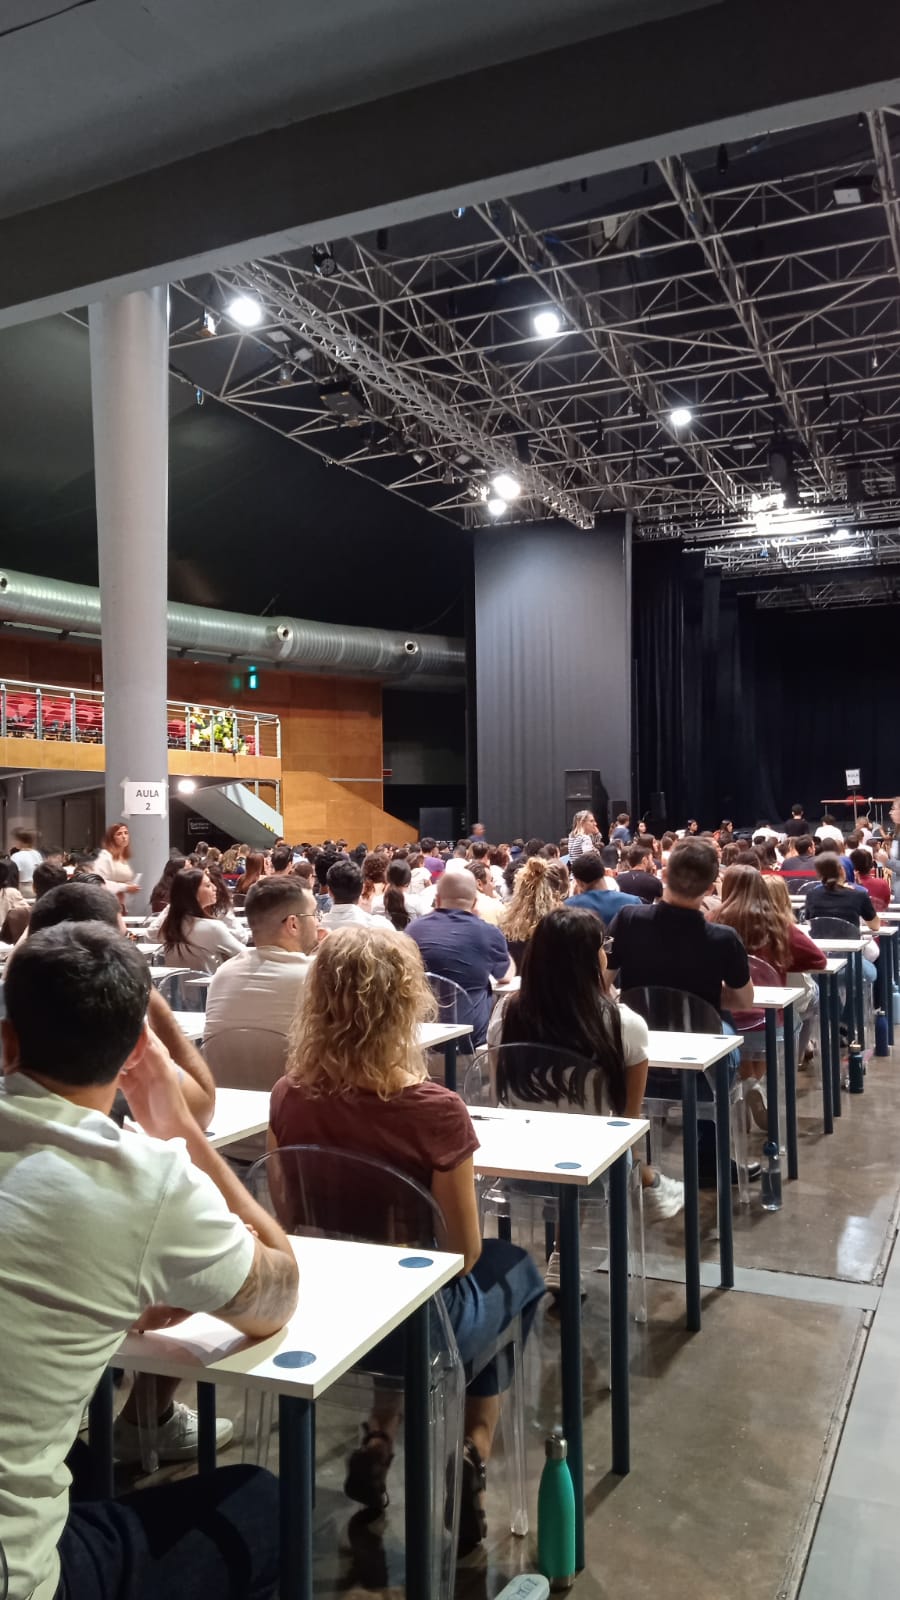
point(472, 1520)
point(367, 1470)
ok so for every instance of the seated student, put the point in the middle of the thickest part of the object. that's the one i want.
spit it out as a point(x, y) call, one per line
point(831, 896)
point(345, 885)
point(863, 862)
point(13, 905)
point(828, 829)
point(457, 945)
point(489, 905)
point(48, 875)
point(106, 1228)
point(356, 1081)
point(190, 932)
point(671, 945)
point(621, 833)
point(595, 886)
point(260, 987)
point(566, 1001)
point(538, 888)
point(801, 866)
point(639, 877)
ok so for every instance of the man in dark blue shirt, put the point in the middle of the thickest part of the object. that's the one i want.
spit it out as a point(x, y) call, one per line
point(456, 944)
point(595, 889)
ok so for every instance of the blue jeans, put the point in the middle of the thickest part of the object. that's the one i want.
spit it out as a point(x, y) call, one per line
point(214, 1536)
point(504, 1283)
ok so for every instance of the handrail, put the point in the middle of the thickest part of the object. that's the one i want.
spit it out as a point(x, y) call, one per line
point(31, 710)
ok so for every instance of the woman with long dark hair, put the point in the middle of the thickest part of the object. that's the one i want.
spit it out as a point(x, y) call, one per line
point(192, 935)
point(254, 869)
point(566, 1002)
point(159, 898)
point(398, 903)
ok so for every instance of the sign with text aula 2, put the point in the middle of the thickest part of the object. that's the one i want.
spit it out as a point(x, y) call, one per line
point(146, 799)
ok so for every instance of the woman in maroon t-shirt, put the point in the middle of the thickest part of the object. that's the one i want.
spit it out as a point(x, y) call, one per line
point(356, 1081)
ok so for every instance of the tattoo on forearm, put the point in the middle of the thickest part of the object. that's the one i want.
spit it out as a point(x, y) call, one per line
point(270, 1288)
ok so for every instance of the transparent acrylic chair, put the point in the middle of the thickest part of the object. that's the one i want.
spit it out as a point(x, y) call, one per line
point(184, 989)
point(453, 1006)
point(315, 1190)
point(521, 1064)
point(673, 1011)
point(837, 928)
point(752, 1024)
point(246, 1058)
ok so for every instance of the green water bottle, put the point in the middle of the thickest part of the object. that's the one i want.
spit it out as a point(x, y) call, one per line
point(556, 1516)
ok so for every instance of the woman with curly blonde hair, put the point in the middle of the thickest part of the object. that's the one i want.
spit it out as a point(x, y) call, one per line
point(538, 888)
point(356, 1081)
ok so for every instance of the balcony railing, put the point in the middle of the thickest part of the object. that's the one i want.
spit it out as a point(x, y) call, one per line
point(75, 716)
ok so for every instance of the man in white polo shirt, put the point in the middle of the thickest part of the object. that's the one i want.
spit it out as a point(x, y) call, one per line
point(104, 1228)
point(260, 988)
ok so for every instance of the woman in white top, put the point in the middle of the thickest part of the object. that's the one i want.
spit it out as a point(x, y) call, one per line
point(191, 933)
point(14, 911)
point(113, 860)
point(565, 1003)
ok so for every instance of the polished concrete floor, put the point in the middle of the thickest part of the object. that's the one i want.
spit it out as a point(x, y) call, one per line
point(734, 1429)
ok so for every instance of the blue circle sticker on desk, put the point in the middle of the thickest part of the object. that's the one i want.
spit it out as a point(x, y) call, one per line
point(618, 1122)
point(567, 1166)
point(415, 1261)
point(294, 1358)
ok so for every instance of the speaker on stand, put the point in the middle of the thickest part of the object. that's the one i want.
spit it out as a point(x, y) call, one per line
point(586, 791)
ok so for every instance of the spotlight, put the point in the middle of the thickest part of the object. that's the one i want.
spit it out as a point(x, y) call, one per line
point(496, 506)
point(285, 373)
point(186, 785)
point(506, 486)
point(546, 323)
point(842, 533)
point(381, 239)
point(210, 324)
point(323, 261)
point(420, 457)
point(853, 194)
point(681, 417)
point(245, 311)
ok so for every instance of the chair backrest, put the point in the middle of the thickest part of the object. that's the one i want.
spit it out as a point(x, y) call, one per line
point(246, 1058)
point(763, 973)
point(522, 1074)
point(833, 928)
point(184, 989)
point(452, 1001)
point(314, 1190)
point(673, 1010)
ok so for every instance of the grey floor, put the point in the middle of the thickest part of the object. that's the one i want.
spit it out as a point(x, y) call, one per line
point(764, 1464)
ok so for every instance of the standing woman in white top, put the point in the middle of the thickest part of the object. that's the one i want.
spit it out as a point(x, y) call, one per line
point(585, 835)
point(191, 933)
point(565, 1003)
point(114, 861)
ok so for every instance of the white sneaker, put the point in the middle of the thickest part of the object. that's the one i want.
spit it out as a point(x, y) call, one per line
point(176, 1440)
point(551, 1276)
point(664, 1198)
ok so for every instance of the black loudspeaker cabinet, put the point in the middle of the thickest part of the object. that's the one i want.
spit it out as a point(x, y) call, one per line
point(618, 808)
point(437, 822)
point(586, 791)
point(657, 818)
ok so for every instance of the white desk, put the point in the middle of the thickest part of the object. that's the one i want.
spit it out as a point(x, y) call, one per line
point(446, 1036)
point(238, 1114)
point(351, 1297)
point(690, 1053)
point(512, 985)
point(570, 1151)
point(849, 946)
point(191, 1023)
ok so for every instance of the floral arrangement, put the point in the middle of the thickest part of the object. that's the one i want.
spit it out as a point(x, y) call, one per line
point(216, 730)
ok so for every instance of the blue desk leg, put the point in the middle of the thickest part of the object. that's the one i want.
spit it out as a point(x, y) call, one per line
point(772, 1077)
point(296, 1470)
point(570, 1346)
point(691, 1201)
point(836, 1042)
point(100, 1437)
point(859, 1001)
point(723, 1165)
point(618, 1317)
point(450, 1065)
point(206, 1428)
point(790, 1092)
point(418, 1456)
point(826, 1047)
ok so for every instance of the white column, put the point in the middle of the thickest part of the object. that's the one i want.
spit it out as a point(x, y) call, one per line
point(129, 340)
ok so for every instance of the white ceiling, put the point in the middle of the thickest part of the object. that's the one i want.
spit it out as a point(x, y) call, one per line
point(107, 88)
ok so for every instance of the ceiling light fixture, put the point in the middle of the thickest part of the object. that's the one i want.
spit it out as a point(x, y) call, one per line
point(210, 324)
point(546, 323)
point(681, 417)
point(842, 533)
point(496, 506)
point(245, 311)
point(186, 785)
point(506, 486)
point(323, 261)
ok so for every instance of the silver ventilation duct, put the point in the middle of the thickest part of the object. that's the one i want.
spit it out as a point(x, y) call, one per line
point(308, 646)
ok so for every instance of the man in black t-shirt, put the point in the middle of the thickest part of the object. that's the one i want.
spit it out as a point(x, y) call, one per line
point(796, 825)
point(672, 946)
point(802, 865)
point(639, 879)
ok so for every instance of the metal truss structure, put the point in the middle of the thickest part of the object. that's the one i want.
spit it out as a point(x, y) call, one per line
point(758, 288)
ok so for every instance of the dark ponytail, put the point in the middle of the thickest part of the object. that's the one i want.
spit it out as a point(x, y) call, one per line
point(398, 881)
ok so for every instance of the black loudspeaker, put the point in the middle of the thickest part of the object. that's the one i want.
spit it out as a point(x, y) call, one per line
point(617, 808)
point(437, 822)
point(657, 818)
point(586, 791)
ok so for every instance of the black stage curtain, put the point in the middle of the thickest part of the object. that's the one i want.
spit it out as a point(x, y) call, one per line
point(741, 712)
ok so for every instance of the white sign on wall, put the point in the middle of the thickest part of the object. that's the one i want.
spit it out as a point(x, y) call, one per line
point(147, 799)
point(852, 776)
